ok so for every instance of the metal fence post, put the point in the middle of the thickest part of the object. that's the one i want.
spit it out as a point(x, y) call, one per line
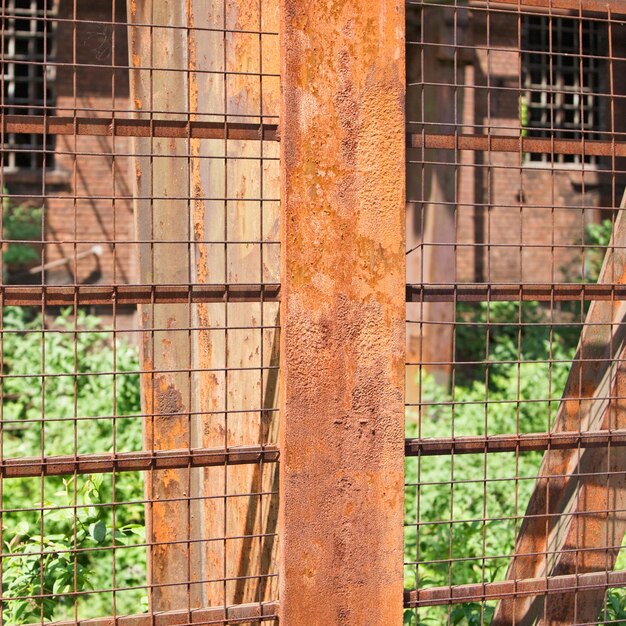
point(158, 88)
point(343, 307)
point(211, 529)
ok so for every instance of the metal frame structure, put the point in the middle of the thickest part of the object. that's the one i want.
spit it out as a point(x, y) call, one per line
point(290, 318)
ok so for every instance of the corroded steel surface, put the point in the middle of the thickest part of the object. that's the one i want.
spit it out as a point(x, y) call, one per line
point(597, 582)
point(220, 616)
point(511, 143)
point(515, 443)
point(235, 73)
point(342, 166)
point(616, 7)
point(165, 395)
point(246, 131)
point(575, 520)
point(131, 127)
point(135, 461)
point(201, 217)
point(558, 292)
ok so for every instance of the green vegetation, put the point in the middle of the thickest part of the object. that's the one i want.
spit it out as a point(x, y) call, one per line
point(58, 533)
point(21, 224)
point(492, 395)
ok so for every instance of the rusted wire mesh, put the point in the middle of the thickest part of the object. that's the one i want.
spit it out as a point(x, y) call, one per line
point(140, 317)
point(515, 239)
point(140, 325)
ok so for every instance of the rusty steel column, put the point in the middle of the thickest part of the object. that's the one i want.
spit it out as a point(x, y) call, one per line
point(158, 50)
point(229, 78)
point(343, 308)
point(214, 61)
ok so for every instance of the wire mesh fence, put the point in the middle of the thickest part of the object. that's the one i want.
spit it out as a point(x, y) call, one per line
point(140, 311)
point(515, 175)
point(141, 256)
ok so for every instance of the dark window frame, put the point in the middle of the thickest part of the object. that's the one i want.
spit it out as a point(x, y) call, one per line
point(28, 75)
point(563, 81)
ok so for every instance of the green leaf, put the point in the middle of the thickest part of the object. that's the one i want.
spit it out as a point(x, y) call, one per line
point(60, 584)
point(98, 531)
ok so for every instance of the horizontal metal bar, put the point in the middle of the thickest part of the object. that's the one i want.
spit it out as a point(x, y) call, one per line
point(526, 442)
point(557, 7)
point(63, 295)
point(480, 592)
point(184, 129)
point(517, 144)
point(136, 461)
point(238, 614)
point(129, 127)
point(616, 7)
point(84, 295)
point(546, 292)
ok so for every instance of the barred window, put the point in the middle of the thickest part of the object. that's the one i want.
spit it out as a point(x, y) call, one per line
point(27, 78)
point(562, 79)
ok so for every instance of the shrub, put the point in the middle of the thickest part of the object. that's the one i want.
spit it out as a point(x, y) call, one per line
point(52, 527)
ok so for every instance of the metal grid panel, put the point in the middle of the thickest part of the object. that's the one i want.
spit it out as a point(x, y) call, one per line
point(140, 313)
point(514, 477)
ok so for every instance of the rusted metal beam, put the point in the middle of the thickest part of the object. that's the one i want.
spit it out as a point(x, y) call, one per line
point(206, 457)
point(516, 143)
point(132, 127)
point(248, 131)
point(603, 7)
point(615, 7)
point(86, 295)
point(343, 312)
point(135, 461)
point(597, 582)
point(542, 7)
point(563, 292)
point(527, 442)
point(166, 393)
point(237, 614)
point(553, 540)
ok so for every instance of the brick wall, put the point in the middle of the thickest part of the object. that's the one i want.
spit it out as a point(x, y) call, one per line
point(504, 202)
point(88, 196)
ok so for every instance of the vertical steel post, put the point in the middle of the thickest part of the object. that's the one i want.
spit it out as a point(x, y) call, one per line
point(157, 51)
point(432, 216)
point(231, 56)
point(213, 537)
point(575, 521)
point(343, 307)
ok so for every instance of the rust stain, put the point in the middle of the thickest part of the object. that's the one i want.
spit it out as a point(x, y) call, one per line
point(343, 310)
point(169, 399)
